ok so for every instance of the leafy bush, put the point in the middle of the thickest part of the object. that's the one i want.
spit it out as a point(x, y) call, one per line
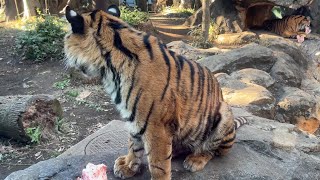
point(42, 38)
point(133, 16)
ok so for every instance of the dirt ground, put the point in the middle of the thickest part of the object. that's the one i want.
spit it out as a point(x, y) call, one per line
point(81, 117)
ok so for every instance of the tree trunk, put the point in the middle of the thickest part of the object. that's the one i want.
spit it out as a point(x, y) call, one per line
point(197, 4)
point(142, 4)
point(205, 18)
point(17, 113)
point(186, 4)
point(11, 9)
point(30, 8)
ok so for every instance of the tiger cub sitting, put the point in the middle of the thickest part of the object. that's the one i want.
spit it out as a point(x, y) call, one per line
point(289, 26)
point(169, 103)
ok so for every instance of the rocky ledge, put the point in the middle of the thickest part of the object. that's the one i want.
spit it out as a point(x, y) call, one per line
point(264, 149)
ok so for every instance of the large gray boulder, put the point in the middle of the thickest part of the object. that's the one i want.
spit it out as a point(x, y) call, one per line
point(254, 98)
point(286, 72)
point(254, 76)
point(249, 56)
point(264, 149)
point(295, 103)
point(191, 52)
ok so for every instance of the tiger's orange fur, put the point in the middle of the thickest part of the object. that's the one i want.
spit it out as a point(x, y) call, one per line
point(169, 103)
point(289, 26)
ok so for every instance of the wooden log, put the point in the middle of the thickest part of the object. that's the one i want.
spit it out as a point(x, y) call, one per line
point(17, 113)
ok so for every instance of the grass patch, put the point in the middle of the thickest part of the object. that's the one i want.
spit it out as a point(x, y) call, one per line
point(35, 134)
point(133, 16)
point(42, 38)
point(73, 93)
point(62, 84)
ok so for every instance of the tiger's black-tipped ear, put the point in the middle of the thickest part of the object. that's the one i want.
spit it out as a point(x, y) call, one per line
point(76, 21)
point(114, 10)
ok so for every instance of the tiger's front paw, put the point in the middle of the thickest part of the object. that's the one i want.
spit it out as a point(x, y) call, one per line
point(124, 168)
point(196, 162)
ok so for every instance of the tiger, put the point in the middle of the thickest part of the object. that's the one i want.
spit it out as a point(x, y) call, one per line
point(289, 26)
point(169, 103)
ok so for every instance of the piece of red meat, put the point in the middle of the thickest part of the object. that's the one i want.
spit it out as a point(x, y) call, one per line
point(94, 172)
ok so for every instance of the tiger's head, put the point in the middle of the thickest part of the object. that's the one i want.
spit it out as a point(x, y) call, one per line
point(305, 23)
point(91, 37)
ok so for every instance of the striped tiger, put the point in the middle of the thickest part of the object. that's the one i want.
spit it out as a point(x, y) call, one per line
point(289, 26)
point(166, 100)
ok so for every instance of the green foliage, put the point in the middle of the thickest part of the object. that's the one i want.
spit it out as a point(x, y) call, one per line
point(42, 38)
point(35, 134)
point(62, 84)
point(197, 36)
point(73, 93)
point(134, 17)
point(277, 12)
point(172, 11)
point(58, 124)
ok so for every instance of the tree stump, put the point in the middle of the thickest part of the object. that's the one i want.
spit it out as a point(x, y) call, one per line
point(17, 113)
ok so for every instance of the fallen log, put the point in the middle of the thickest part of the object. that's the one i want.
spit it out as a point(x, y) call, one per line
point(18, 113)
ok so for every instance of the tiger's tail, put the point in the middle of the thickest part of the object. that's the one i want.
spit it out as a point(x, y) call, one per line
point(239, 121)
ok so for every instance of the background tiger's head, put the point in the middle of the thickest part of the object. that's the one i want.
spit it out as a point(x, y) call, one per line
point(305, 23)
point(90, 38)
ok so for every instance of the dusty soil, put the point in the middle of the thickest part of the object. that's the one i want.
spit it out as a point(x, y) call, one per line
point(81, 117)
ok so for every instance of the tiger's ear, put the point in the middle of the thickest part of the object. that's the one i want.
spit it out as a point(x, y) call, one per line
point(308, 18)
point(76, 21)
point(114, 10)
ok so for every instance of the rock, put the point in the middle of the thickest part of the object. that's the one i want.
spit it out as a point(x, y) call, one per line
point(259, 153)
point(191, 52)
point(226, 81)
point(286, 72)
point(312, 49)
point(235, 39)
point(283, 139)
point(249, 56)
point(254, 76)
point(288, 47)
point(295, 103)
point(254, 98)
point(315, 12)
point(311, 86)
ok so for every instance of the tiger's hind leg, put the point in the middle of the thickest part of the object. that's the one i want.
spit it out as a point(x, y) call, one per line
point(220, 135)
point(229, 133)
point(127, 166)
point(226, 143)
point(196, 162)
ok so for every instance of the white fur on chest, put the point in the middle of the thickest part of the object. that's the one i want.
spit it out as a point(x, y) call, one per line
point(111, 89)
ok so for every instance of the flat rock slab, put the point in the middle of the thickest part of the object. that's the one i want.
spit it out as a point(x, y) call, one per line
point(257, 154)
point(110, 139)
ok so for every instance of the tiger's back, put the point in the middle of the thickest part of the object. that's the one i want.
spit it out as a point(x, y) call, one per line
point(167, 100)
point(288, 26)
